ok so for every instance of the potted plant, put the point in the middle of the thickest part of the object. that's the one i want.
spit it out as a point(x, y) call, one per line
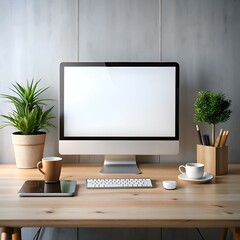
point(212, 108)
point(31, 117)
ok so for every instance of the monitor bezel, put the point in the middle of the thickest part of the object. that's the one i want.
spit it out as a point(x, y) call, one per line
point(117, 138)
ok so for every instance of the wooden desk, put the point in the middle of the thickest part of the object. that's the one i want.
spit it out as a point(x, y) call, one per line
point(215, 204)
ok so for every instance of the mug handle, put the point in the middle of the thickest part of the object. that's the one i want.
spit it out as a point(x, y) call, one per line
point(180, 169)
point(39, 166)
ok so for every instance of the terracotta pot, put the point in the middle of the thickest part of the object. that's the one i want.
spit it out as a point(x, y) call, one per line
point(28, 149)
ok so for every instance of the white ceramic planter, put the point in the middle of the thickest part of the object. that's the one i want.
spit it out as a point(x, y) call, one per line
point(28, 149)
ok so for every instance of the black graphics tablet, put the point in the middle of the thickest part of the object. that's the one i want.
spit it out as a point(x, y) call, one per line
point(35, 188)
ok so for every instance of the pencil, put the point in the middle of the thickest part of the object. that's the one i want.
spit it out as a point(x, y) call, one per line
point(219, 138)
point(199, 135)
point(224, 138)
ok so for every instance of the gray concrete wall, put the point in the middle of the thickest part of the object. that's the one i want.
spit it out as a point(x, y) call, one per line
point(202, 35)
point(35, 37)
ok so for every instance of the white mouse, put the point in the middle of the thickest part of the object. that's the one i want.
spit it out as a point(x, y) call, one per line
point(169, 184)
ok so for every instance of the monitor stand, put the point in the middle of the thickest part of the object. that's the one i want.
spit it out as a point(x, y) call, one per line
point(120, 164)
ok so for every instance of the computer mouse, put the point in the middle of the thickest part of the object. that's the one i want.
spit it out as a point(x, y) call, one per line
point(169, 184)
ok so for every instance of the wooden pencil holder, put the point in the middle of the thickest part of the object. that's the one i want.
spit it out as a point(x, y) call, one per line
point(215, 159)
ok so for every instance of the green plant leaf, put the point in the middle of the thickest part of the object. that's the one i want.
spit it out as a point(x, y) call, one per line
point(29, 115)
point(212, 108)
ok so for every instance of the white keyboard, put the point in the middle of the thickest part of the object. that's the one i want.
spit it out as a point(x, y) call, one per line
point(118, 183)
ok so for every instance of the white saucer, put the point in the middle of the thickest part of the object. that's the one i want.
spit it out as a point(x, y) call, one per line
point(206, 177)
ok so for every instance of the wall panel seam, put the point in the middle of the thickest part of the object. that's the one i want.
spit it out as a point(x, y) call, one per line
point(160, 30)
point(77, 26)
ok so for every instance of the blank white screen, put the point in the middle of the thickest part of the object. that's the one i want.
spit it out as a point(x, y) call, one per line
point(119, 101)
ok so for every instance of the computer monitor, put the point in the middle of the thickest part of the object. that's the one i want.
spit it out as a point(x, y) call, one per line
point(119, 110)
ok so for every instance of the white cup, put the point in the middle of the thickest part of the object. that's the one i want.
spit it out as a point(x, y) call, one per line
point(193, 170)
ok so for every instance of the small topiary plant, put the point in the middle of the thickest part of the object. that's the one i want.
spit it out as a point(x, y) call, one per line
point(212, 108)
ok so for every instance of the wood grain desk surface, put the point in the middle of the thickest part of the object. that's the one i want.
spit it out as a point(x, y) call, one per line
point(213, 204)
